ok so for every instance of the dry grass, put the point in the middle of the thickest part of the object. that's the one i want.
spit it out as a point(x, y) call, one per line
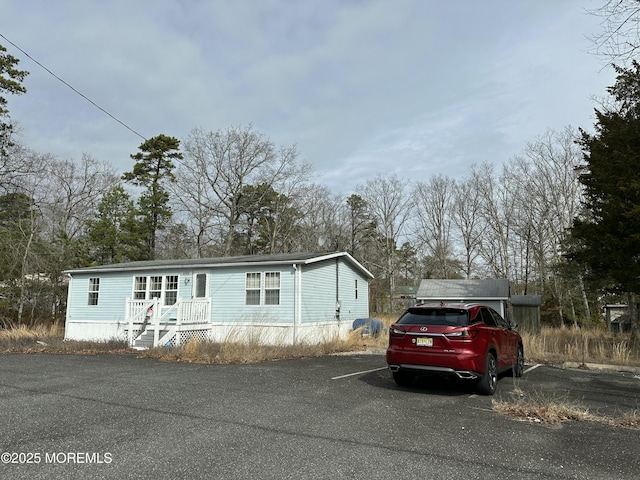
point(538, 408)
point(549, 410)
point(50, 339)
point(583, 345)
point(551, 345)
point(251, 350)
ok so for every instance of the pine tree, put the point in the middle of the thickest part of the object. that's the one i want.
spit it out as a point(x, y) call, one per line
point(115, 234)
point(10, 82)
point(152, 169)
point(606, 237)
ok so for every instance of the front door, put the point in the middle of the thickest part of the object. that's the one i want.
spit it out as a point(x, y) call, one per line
point(200, 285)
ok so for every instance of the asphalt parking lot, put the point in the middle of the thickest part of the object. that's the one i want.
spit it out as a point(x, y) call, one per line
point(119, 416)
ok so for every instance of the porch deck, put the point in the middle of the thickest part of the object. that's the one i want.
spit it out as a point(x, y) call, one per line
point(151, 325)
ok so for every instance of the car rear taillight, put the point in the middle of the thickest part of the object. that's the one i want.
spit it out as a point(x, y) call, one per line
point(462, 334)
point(396, 332)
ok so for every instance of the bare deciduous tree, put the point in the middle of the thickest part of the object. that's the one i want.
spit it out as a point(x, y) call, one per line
point(497, 215)
point(548, 193)
point(73, 192)
point(229, 161)
point(434, 204)
point(619, 40)
point(390, 206)
point(196, 207)
point(320, 227)
point(466, 217)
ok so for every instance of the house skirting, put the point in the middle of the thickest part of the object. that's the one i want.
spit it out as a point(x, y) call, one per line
point(94, 331)
point(279, 333)
point(264, 333)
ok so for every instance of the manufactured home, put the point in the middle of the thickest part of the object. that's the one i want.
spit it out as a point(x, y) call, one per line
point(276, 299)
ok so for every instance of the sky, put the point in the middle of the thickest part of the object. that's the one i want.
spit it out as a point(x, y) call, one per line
point(363, 88)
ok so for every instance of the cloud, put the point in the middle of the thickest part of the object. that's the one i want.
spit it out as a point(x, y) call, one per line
point(409, 87)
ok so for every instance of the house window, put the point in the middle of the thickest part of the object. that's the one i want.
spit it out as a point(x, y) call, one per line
point(156, 286)
point(94, 288)
point(171, 290)
point(201, 285)
point(140, 288)
point(252, 287)
point(272, 288)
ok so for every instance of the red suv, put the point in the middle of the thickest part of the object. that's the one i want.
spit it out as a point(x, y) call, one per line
point(468, 341)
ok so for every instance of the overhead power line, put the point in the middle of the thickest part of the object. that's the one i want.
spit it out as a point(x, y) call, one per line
point(72, 88)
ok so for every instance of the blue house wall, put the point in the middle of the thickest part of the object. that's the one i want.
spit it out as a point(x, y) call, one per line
point(320, 295)
point(228, 295)
point(115, 288)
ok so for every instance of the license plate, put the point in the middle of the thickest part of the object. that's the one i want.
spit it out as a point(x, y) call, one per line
point(424, 342)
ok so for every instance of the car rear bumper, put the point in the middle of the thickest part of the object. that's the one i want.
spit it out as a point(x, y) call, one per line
point(462, 374)
point(462, 364)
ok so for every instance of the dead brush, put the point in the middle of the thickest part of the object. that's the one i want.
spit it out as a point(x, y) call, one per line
point(247, 349)
point(22, 338)
point(621, 353)
point(582, 345)
point(554, 410)
point(538, 408)
point(50, 339)
point(629, 420)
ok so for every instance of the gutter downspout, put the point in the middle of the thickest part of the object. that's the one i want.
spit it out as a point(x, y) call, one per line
point(297, 300)
point(68, 312)
point(337, 290)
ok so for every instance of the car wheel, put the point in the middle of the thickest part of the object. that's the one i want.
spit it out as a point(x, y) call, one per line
point(489, 381)
point(518, 368)
point(403, 379)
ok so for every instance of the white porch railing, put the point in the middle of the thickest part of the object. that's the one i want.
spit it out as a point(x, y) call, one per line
point(148, 316)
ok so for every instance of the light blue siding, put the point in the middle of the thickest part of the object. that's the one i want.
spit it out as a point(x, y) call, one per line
point(112, 294)
point(228, 296)
point(352, 307)
point(319, 292)
point(115, 288)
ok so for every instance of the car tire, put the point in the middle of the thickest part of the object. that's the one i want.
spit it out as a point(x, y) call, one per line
point(403, 379)
point(489, 381)
point(518, 368)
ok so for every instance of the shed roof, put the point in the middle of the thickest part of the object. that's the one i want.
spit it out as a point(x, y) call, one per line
point(217, 262)
point(437, 289)
point(526, 300)
point(406, 290)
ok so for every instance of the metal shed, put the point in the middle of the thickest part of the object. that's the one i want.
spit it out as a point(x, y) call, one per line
point(525, 310)
point(491, 292)
point(617, 317)
point(404, 296)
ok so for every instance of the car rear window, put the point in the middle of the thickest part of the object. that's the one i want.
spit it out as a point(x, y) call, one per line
point(435, 316)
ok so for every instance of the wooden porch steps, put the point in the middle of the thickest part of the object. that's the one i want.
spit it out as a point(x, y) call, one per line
point(145, 341)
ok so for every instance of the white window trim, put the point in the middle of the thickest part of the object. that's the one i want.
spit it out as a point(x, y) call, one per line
point(163, 288)
point(91, 290)
point(194, 291)
point(248, 275)
point(263, 289)
point(279, 289)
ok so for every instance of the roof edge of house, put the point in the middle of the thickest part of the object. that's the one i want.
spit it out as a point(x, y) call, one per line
point(203, 263)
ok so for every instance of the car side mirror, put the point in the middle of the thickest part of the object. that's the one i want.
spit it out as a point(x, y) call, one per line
point(512, 325)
